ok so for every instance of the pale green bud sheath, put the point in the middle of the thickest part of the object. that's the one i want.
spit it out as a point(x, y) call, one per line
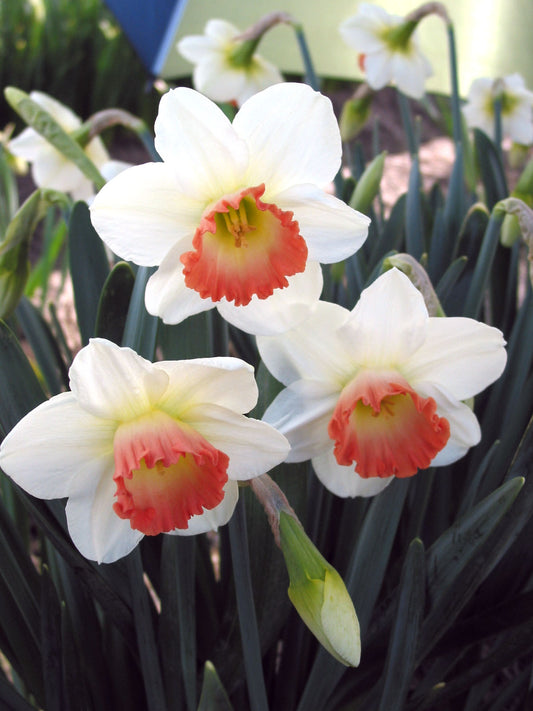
point(319, 595)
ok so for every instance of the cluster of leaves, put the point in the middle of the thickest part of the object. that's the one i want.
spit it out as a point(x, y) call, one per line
point(102, 70)
point(439, 566)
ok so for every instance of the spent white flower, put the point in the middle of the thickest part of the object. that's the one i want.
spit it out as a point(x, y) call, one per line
point(142, 448)
point(388, 49)
point(50, 169)
point(377, 392)
point(235, 217)
point(223, 71)
point(516, 107)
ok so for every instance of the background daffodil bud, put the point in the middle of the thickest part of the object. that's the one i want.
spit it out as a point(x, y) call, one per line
point(318, 593)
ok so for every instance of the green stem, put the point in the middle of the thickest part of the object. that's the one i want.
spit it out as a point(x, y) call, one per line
point(407, 121)
point(456, 105)
point(245, 606)
point(310, 74)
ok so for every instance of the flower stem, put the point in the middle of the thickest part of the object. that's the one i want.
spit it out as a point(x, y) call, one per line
point(456, 110)
point(310, 74)
point(408, 125)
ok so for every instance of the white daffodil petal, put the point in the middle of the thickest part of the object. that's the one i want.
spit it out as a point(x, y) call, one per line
point(460, 354)
point(409, 74)
point(212, 519)
point(260, 75)
point(166, 294)
point(218, 80)
point(27, 145)
point(220, 30)
point(311, 350)
point(300, 144)
point(358, 36)
point(285, 309)
point(331, 229)
point(115, 383)
point(465, 431)
point(195, 137)
point(389, 322)
point(57, 448)
point(228, 382)
point(344, 481)
point(194, 47)
point(96, 530)
point(140, 215)
point(253, 447)
point(302, 413)
point(378, 69)
point(66, 118)
point(52, 170)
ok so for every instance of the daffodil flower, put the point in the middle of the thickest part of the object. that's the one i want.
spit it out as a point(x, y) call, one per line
point(235, 216)
point(516, 107)
point(142, 448)
point(388, 49)
point(222, 71)
point(49, 168)
point(377, 392)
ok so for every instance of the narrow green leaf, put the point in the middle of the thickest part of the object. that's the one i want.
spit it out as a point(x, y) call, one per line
point(179, 599)
point(169, 633)
point(10, 699)
point(449, 278)
point(483, 266)
point(144, 628)
point(414, 225)
point(89, 268)
point(246, 609)
point(20, 388)
point(400, 663)
point(140, 331)
point(40, 120)
point(490, 168)
point(188, 339)
point(114, 303)
point(367, 186)
point(461, 559)
point(392, 235)
point(213, 696)
point(44, 346)
point(51, 643)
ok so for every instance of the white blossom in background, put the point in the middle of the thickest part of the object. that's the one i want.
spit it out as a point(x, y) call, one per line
point(388, 49)
point(219, 72)
point(516, 107)
point(49, 168)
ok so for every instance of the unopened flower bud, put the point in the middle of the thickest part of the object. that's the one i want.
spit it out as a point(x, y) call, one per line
point(319, 595)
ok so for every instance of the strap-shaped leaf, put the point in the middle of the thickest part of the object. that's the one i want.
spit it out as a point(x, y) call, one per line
point(89, 268)
point(491, 169)
point(45, 348)
point(213, 696)
point(461, 559)
point(400, 663)
point(20, 388)
point(42, 122)
point(114, 303)
point(414, 222)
